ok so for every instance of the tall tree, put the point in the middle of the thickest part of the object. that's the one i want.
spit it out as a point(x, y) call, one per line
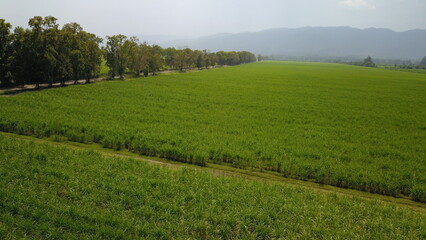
point(423, 63)
point(92, 55)
point(51, 37)
point(179, 59)
point(35, 50)
point(138, 60)
point(155, 60)
point(168, 55)
point(368, 62)
point(5, 53)
point(211, 59)
point(73, 32)
point(116, 55)
point(20, 61)
point(44, 53)
point(233, 58)
point(222, 57)
point(200, 59)
point(190, 58)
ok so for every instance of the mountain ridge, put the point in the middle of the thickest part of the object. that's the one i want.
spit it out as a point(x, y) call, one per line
point(317, 41)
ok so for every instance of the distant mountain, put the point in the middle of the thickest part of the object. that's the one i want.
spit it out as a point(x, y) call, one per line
point(159, 38)
point(318, 42)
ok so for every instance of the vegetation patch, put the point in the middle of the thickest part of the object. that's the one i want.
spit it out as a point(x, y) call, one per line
point(340, 125)
point(55, 192)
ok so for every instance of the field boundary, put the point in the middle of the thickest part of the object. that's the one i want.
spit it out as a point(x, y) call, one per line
point(221, 169)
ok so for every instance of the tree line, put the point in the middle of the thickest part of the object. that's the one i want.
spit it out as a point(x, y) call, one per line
point(368, 62)
point(46, 53)
point(123, 53)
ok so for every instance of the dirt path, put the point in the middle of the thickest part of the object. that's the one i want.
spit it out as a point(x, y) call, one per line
point(224, 170)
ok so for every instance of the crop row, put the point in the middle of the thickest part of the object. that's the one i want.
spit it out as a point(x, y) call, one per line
point(54, 192)
point(340, 125)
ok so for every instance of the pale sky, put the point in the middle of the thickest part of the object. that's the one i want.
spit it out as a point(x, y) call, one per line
point(205, 17)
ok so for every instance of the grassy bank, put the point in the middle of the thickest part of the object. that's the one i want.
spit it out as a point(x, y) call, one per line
point(55, 192)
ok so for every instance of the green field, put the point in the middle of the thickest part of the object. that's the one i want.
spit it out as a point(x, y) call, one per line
point(50, 192)
point(413, 70)
point(341, 125)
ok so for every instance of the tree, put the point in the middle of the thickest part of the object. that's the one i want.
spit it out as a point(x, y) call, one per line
point(200, 59)
point(35, 51)
point(155, 59)
point(73, 33)
point(20, 61)
point(185, 58)
point(92, 55)
point(138, 58)
point(5, 53)
point(233, 58)
point(81, 50)
point(130, 47)
point(63, 69)
point(51, 67)
point(423, 63)
point(116, 55)
point(45, 53)
point(368, 62)
point(246, 57)
point(168, 55)
point(209, 59)
point(222, 57)
point(190, 58)
point(179, 59)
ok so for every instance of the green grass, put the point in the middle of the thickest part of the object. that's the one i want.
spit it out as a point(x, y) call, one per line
point(347, 126)
point(104, 69)
point(49, 192)
point(391, 67)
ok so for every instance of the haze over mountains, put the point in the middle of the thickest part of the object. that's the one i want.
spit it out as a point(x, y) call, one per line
point(340, 42)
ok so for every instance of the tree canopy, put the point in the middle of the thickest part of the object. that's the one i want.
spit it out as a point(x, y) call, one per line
point(423, 62)
point(45, 53)
point(368, 62)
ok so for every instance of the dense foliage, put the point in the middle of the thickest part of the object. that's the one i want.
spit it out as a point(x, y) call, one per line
point(423, 63)
point(354, 127)
point(123, 53)
point(46, 53)
point(368, 62)
point(49, 192)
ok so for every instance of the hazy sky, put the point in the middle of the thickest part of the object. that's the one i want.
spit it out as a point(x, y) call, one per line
point(205, 17)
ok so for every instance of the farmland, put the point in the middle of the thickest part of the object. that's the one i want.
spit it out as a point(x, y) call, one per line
point(52, 192)
point(414, 70)
point(341, 125)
